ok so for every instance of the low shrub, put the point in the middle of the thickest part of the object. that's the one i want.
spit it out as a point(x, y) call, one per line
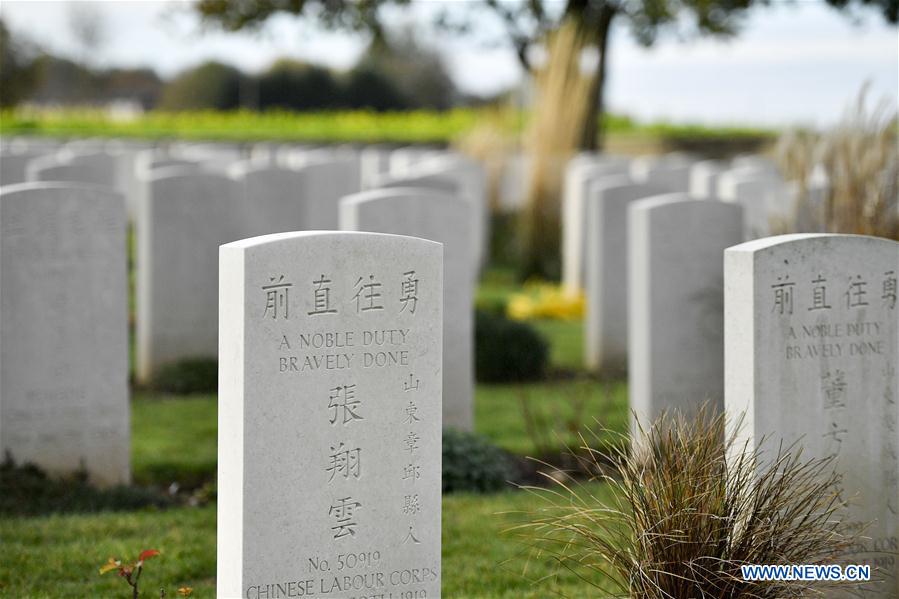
point(471, 463)
point(508, 351)
point(194, 375)
point(28, 491)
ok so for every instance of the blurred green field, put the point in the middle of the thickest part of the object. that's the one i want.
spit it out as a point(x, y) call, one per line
point(420, 126)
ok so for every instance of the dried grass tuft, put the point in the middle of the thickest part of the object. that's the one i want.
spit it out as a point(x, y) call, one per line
point(690, 508)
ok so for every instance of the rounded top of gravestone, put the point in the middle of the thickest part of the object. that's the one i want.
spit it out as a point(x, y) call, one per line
point(387, 193)
point(181, 171)
point(278, 237)
point(781, 240)
point(680, 201)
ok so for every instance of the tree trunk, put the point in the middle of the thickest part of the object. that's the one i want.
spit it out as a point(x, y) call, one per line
point(593, 137)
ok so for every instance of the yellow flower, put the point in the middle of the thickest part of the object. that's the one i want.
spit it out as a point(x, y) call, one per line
point(185, 591)
point(545, 300)
point(111, 564)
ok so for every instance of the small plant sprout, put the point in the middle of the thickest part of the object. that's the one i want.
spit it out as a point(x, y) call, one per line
point(129, 572)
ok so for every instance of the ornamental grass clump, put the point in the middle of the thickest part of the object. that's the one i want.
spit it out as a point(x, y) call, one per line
point(689, 508)
point(858, 161)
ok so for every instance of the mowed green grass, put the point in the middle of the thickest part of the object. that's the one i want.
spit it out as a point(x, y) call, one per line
point(58, 556)
point(174, 439)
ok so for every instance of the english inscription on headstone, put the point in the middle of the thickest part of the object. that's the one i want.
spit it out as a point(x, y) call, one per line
point(811, 357)
point(330, 370)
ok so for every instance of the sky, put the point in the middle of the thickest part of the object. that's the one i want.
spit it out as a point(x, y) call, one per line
point(794, 63)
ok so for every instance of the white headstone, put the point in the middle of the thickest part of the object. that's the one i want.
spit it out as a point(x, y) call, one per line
point(676, 318)
point(51, 168)
point(324, 184)
point(671, 171)
point(273, 201)
point(704, 179)
point(373, 164)
point(605, 334)
point(402, 159)
point(444, 181)
point(443, 218)
point(182, 220)
point(64, 322)
point(513, 182)
point(579, 174)
point(811, 357)
point(13, 166)
point(753, 189)
point(471, 178)
point(329, 476)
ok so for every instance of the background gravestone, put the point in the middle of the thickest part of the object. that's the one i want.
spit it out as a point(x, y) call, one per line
point(182, 219)
point(752, 188)
point(331, 354)
point(324, 183)
point(675, 328)
point(580, 173)
point(271, 199)
point(460, 183)
point(811, 356)
point(443, 218)
point(605, 322)
point(13, 166)
point(64, 341)
point(670, 170)
point(704, 179)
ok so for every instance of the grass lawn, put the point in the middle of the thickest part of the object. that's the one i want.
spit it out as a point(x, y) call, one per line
point(174, 439)
point(58, 556)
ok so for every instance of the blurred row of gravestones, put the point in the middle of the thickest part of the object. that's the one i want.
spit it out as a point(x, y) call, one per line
point(685, 293)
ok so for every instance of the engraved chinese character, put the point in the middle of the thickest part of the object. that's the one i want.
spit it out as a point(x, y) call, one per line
point(819, 294)
point(343, 402)
point(411, 442)
point(321, 297)
point(835, 432)
point(889, 289)
point(343, 511)
point(344, 462)
point(411, 505)
point(783, 295)
point(412, 384)
point(411, 413)
point(834, 385)
point(412, 472)
point(892, 506)
point(276, 297)
point(855, 295)
point(367, 295)
point(411, 537)
point(409, 291)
